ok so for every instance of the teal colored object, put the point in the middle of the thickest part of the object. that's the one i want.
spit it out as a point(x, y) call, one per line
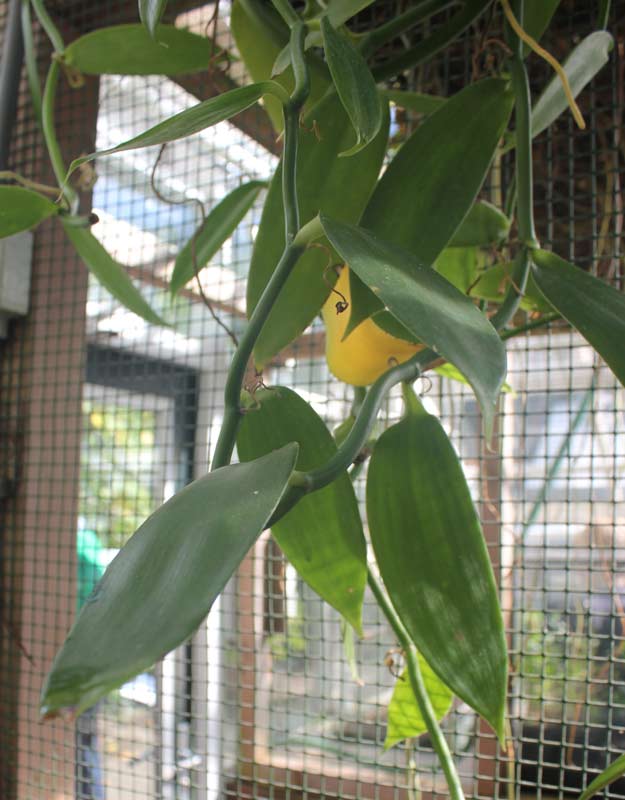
point(91, 563)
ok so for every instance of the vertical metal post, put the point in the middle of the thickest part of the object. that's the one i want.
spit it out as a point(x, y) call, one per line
point(10, 70)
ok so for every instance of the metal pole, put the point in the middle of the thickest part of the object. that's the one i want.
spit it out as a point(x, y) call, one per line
point(10, 70)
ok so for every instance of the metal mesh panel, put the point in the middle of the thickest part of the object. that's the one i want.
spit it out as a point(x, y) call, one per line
point(104, 416)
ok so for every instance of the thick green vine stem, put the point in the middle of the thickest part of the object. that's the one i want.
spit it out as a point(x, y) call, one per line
point(283, 7)
point(292, 251)
point(49, 134)
point(236, 374)
point(439, 742)
point(357, 437)
point(49, 27)
point(524, 180)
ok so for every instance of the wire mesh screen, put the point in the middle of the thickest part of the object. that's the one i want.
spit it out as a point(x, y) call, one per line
point(104, 417)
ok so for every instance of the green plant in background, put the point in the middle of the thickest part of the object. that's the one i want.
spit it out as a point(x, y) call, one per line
point(411, 240)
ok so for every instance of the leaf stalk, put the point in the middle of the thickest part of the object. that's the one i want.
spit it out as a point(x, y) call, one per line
point(49, 134)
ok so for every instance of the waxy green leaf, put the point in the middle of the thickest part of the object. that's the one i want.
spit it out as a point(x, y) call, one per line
point(431, 184)
point(110, 273)
point(161, 585)
point(484, 225)
point(340, 186)
point(151, 13)
point(610, 774)
point(188, 122)
point(428, 46)
point(434, 562)
point(432, 310)
point(405, 720)
point(22, 209)
point(261, 36)
point(322, 535)
point(494, 282)
point(354, 85)
point(585, 61)
point(132, 50)
point(218, 226)
point(458, 265)
point(596, 309)
point(339, 11)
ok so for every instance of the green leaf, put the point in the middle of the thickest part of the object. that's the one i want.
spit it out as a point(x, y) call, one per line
point(585, 61)
point(355, 86)
point(458, 265)
point(428, 46)
point(218, 226)
point(431, 184)
point(484, 225)
point(341, 186)
point(322, 535)
point(608, 776)
point(414, 101)
point(590, 305)
point(494, 282)
point(536, 18)
point(404, 716)
point(339, 11)
point(151, 13)
point(448, 370)
point(22, 209)
point(188, 122)
point(133, 50)
point(161, 585)
point(261, 35)
point(434, 562)
point(433, 310)
point(110, 273)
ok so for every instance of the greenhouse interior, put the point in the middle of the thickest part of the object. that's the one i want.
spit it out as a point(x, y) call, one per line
point(312, 405)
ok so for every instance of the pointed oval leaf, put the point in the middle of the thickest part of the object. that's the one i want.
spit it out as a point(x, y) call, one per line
point(610, 774)
point(484, 225)
point(190, 121)
point(218, 226)
point(354, 84)
point(432, 310)
point(161, 585)
point(132, 50)
point(322, 535)
point(434, 561)
point(110, 273)
point(261, 36)
point(342, 187)
point(151, 13)
point(431, 184)
point(590, 305)
point(405, 720)
point(590, 55)
point(22, 209)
